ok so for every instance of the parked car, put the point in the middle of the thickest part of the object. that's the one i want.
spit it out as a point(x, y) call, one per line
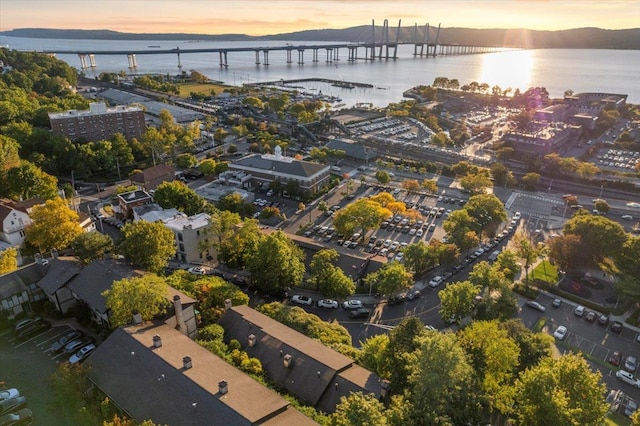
point(328, 303)
point(413, 294)
point(36, 326)
point(579, 311)
point(591, 316)
point(435, 282)
point(198, 270)
point(630, 408)
point(302, 300)
point(20, 417)
point(603, 319)
point(395, 299)
point(615, 358)
point(352, 304)
point(616, 327)
point(13, 404)
point(23, 323)
point(560, 333)
point(627, 377)
point(82, 353)
point(556, 302)
point(360, 313)
point(631, 364)
point(535, 305)
point(62, 342)
point(76, 344)
point(9, 393)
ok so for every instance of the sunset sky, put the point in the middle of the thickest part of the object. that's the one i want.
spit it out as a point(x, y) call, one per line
point(262, 17)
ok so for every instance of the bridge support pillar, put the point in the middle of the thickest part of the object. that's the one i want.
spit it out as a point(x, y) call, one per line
point(92, 60)
point(257, 57)
point(223, 59)
point(132, 61)
point(289, 56)
point(335, 54)
point(315, 54)
point(83, 61)
point(352, 54)
point(300, 56)
point(329, 55)
point(265, 56)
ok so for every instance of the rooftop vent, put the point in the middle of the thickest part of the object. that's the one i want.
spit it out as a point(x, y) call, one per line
point(157, 341)
point(223, 387)
point(186, 362)
point(137, 318)
point(287, 360)
point(252, 340)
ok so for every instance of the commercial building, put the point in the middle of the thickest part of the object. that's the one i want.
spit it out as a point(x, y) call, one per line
point(542, 138)
point(267, 168)
point(98, 122)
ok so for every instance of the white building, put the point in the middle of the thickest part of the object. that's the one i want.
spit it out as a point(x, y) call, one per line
point(190, 235)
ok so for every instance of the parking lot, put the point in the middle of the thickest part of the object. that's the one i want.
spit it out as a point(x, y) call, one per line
point(27, 366)
point(618, 159)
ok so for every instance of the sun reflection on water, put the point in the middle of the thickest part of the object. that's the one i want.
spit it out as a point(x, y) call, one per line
point(508, 69)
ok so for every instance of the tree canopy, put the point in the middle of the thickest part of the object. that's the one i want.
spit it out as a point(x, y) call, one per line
point(54, 225)
point(179, 196)
point(146, 295)
point(148, 244)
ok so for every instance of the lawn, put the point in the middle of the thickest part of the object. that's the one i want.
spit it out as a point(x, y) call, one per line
point(205, 88)
point(545, 271)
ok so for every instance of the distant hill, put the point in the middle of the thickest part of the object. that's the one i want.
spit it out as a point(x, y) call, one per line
point(579, 38)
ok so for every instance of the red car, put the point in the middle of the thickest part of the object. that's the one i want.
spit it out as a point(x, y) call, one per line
point(615, 359)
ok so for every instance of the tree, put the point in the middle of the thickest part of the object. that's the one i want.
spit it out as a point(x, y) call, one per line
point(54, 225)
point(28, 181)
point(475, 183)
point(148, 244)
point(233, 202)
point(562, 391)
point(9, 156)
point(276, 264)
point(392, 277)
point(179, 196)
point(146, 295)
point(628, 261)
point(602, 206)
point(484, 275)
point(601, 235)
point(8, 260)
point(399, 353)
point(458, 226)
point(456, 300)
point(567, 251)
point(501, 175)
point(328, 278)
point(419, 258)
point(207, 167)
point(186, 161)
point(358, 409)
point(533, 346)
point(506, 262)
point(372, 355)
point(383, 177)
point(525, 250)
point(363, 215)
point(89, 246)
point(410, 185)
point(238, 244)
point(442, 383)
point(430, 185)
point(530, 181)
point(488, 213)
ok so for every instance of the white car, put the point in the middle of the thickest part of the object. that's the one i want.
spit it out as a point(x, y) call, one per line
point(9, 394)
point(197, 270)
point(84, 352)
point(435, 282)
point(560, 333)
point(352, 304)
point(302, 300)
point(328, 303)
point(627, 377)
point(579, 310)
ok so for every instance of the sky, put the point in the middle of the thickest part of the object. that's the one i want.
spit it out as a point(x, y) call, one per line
point(263, 17)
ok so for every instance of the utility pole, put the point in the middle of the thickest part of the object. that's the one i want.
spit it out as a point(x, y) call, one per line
point(73, 190)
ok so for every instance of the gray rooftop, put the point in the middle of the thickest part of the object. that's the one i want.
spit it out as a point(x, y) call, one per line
point(17, 281)
point(270, 164)
point(59, 273)
point(151, 382)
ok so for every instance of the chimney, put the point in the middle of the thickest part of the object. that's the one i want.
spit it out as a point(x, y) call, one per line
point(252, 340)
point(54, 253)
point(177, 307)
point(223, 387)
point(287, 361)
point(157, 341)
point(186, 362)
point(227, 304)
point(137, 318)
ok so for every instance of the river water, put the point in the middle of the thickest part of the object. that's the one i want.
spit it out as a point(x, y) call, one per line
point(610, 71)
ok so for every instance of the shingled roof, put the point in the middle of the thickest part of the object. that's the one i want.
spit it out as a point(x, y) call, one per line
point(152, 382)
point(317, 374)
point(270, 163)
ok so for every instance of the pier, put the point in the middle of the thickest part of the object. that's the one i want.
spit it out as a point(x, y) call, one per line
point(425, 41)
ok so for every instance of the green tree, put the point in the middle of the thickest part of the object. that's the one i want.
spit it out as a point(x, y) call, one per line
point(459, 226)
point(179, 196)
point(372, 354)
point(628, 262)
point(561, 391)
point(507, 263)
point(28, 181)
point(533, 346)
point(602, 206)
point(567, 251)
point(54, 225)
point(419, 258)
point(327, 277)
point(363, 215)
point(383, 177)
point(186, 161)
point(525, 250)
point(602, 237)
point(359, 409)
point(475, 183)
point(8, 260)
point(488, 213)
point(442, 385)
point(239, 244)
point(207, 167)
point(89, 246)
point(400, 353)
point(146, 295)
point(148, 244)
point(391, 278)
point(276, 264)
point(233, 202)
point(430, 185)
point(485, 275)
point(530, 181)
point(456, 300)
point(9, 156)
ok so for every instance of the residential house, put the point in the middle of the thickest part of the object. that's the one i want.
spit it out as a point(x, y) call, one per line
point(60, 272)
point(316, 374)
point(190, 234)
point(14, 219)
point(19, 288)
point(153, 372)
point(150, 178)
point(128, 200)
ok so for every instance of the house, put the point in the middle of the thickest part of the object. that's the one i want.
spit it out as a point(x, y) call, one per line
point(190, 234)
point(18, 289)
point(14, 219)
point(353, 150)
point(315, 374)
point(153, 372)
point(128, 200)
point(150, 178)
point(60, 272)
point(267, 168)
